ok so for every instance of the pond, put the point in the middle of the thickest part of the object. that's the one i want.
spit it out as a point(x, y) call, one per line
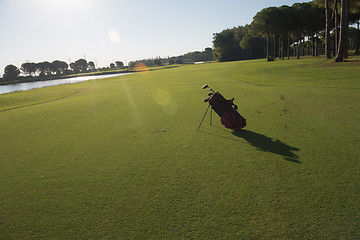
point(40, 84)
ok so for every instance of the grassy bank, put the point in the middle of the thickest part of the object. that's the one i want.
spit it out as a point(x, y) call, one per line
point(90, 160)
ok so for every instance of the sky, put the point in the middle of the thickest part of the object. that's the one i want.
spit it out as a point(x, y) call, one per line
point(105, 31)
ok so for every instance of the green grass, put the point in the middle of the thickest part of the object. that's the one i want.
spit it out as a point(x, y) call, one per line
point(90, 160)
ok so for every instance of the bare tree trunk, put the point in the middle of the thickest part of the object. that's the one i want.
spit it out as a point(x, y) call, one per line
point(267, 48)
point(327, 31)
point(282, 48)
point(303, 46)
point(298, 49)
point(344, 26)
point(279, 52)
point(274, 39)
point(351, 44)
point(336, 31)
point(288, 47)
point(316, 45)
point(295, 47)
point(347, 21)
point(357, 39)
point(313, 46)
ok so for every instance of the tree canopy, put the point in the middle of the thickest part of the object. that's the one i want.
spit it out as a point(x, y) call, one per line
point(304, 27)
point(119, 64)
point(11, 72)
point(29, 68)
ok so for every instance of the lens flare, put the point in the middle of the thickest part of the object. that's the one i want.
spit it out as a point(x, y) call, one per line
point(167, 103)
point(163, 97)
point(114, 36)
point(141, 67)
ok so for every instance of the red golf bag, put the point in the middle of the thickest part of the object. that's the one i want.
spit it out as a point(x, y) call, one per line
point(227, 111)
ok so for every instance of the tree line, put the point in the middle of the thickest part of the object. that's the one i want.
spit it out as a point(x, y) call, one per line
point(320, 26)
point(188, 58)
point(45, 70)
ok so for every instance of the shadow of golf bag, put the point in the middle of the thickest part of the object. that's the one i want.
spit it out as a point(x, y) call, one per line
point(227, 111)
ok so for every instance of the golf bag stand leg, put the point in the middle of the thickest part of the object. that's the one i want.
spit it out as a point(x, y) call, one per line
point(211, 116)
point(203, 117)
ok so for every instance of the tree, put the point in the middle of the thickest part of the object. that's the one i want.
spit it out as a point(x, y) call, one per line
point(29, 68)
point(112, 65)
point(157, 62)
point(344, 28)
point(357, 51)
point(132, 64)
point(226, 45)
point(199, 56)
point(265, 23)
point(73, 67)
point(253, 45)
point(315, 24)
point(81, 65)
point(302, 16)
point(119, 64)
point(336, 25)
point(179, 61)
point(91, 66)
point(327, 30)
point(59, 66)
point(45, 68)
point(11, 72)
point(353, 33)
point(208, 54)
point(355, 18)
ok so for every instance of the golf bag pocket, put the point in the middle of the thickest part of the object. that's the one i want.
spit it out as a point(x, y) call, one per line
point(233, 120)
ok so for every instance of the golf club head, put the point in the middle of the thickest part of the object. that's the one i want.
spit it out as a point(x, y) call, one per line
point(210, 94)
point(205, 86)
point(212, 90)
point(207, 99)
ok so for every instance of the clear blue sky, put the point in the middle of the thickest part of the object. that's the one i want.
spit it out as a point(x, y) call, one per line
point(105, 31)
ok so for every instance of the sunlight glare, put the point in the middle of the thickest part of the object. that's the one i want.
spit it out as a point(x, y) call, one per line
point(141, 67)
point(163, 97)
point(114, 36)
point(168, 104)
point(65, 5)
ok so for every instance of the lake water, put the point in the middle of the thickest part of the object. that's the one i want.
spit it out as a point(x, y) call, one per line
point(40, 84)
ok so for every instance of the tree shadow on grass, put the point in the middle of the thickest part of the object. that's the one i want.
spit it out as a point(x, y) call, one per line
point(266, 144)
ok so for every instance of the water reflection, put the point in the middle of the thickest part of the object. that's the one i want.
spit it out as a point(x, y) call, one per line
point(40, 84)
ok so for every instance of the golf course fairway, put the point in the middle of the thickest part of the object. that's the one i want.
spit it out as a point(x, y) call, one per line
point(90, 160)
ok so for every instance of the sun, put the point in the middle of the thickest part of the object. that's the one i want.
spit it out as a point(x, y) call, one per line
point(66, 4)
point(114, 36)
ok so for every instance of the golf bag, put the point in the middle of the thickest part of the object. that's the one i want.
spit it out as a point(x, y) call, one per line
point(226, 109)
